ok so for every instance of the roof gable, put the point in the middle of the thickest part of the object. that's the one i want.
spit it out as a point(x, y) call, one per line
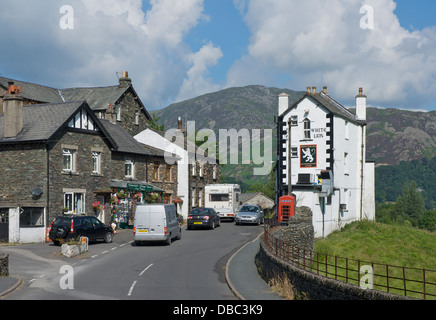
point(328, 103)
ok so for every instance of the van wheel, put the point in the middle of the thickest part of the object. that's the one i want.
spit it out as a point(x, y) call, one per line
point(169, 240)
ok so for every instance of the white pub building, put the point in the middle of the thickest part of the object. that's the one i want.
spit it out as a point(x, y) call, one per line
point(322, 161)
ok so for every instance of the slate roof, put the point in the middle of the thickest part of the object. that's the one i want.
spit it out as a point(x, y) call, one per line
point(126, 143)
point(98, 98)
point(41, 121)
point(330, 104)
point(34, 91)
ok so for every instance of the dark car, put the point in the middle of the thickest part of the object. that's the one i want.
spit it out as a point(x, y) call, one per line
point(250, 213)
point(203, 217)
point(73, 227)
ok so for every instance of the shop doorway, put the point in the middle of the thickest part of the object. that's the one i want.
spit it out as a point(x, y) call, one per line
point(4, 224)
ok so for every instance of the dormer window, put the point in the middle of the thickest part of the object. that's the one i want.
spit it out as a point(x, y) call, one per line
point(306, 123)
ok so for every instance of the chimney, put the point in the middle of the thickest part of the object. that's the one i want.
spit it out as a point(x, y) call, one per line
point(283, 103)
point(125, 81)
point(361, 105)
point(308, 89)
point(13, 111)
point(179, 123)
point(313, 90)
point(324, 89)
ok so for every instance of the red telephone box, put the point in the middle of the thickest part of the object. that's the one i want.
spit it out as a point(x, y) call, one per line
point(286, 208)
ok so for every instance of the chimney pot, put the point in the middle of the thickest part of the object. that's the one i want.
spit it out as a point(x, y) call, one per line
point(125, 81)
point(179, 123)
point(313, 90)
point(308, 89)
point(325, 90)
point(13, 112)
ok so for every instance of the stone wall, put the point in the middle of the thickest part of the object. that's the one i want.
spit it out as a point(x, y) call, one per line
point(308, 285)
point(4, 265)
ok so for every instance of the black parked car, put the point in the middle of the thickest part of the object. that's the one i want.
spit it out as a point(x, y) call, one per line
point(73, 227)
point(203, 217)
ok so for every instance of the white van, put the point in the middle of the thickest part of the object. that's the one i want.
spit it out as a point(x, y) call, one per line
point(156, 222)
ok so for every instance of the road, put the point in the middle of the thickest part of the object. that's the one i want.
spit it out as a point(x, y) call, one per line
point(192, 268)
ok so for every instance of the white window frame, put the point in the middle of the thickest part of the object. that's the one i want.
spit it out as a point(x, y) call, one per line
point(96, 162)
point(76, 204)
point(128, 163)
point(69, 153)
point(306, 129)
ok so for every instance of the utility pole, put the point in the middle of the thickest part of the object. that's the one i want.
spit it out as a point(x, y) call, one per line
point(289, 158)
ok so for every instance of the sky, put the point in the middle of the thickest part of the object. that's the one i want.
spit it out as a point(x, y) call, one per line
point(175, 50)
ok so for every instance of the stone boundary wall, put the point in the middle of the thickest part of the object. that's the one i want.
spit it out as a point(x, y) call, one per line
point(4, 265)
point(306, 284)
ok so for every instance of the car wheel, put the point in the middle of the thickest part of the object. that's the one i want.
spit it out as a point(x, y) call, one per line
point(213, 225)
point(108, 237)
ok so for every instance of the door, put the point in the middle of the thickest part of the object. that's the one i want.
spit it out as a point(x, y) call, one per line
point(4, 224)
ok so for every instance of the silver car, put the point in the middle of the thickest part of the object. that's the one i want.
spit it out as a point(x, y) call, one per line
point(250, 213)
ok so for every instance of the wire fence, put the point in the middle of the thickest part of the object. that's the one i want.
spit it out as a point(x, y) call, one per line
point(410, 282)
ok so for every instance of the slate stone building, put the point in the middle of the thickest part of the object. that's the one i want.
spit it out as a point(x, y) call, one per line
point(62, 157)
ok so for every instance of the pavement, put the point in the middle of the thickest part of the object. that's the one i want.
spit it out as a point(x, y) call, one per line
point(241, 276)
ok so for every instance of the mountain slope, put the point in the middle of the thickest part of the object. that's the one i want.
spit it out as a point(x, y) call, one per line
point(393, 135)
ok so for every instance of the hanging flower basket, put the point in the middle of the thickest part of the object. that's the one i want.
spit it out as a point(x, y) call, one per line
point(97, 206)
point(178, 200)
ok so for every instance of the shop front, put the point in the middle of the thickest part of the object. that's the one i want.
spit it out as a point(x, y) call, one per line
point(126, 195)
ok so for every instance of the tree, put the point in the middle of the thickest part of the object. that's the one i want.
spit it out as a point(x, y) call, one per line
point(410, 205)
point(153, 123)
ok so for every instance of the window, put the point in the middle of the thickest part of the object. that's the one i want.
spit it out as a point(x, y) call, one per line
point(96, 160)
point(219, 197)
point(68, 160)
point(347, 131)
point(214, 172)
point(118, 110)
point(193, 197)
point(156, 171)
point(201, 169)
point(168, 173)
point(306, 123)
point(194, 171)
point(200, 198)
point(294, 152)
point(137, 117)
point(294, 120)
point(129, 168)
point(32, 217)
point(74, 202)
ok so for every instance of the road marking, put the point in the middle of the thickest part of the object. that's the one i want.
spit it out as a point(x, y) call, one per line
point(95, 255)
point(142, 272)
point(113, 248)
point(104, 252)
point(131, 288)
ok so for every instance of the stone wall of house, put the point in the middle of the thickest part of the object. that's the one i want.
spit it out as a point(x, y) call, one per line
point(129, 106)
point(23, 168)
point(167, 183)
point(199, 180)
point(82, 178)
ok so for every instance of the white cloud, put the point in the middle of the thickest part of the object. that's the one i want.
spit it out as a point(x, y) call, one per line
point(322, 43)
point(108, 37)
point(196, 82)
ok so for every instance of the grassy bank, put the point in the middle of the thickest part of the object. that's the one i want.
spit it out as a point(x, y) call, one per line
point(384, 244)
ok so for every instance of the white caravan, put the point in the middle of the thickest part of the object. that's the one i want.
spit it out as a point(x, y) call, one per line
point(224, 198)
